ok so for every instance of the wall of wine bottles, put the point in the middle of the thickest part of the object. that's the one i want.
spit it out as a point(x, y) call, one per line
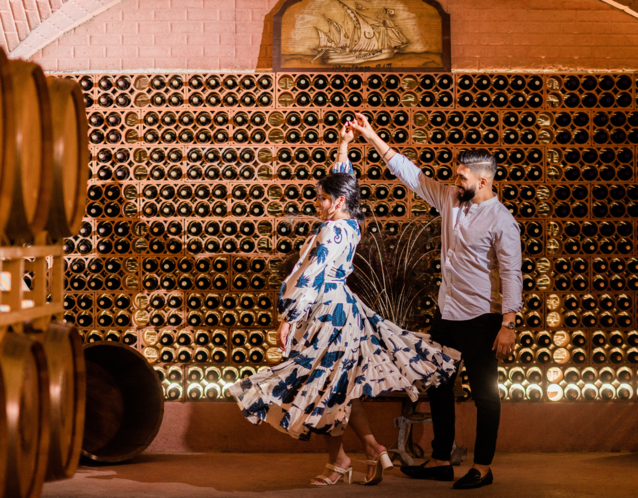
point(202, 183)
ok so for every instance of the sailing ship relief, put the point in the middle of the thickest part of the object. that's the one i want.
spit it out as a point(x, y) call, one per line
point(361, 35)
point(361, 38)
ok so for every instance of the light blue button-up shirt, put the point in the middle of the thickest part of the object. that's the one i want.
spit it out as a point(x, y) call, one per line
point(480, 248)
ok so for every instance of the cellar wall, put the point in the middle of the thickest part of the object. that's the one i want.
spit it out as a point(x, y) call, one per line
point(486, 35)
point(201, 184)
point(566, 149)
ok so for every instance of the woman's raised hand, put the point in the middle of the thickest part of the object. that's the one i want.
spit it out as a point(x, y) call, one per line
point(362, 126)
point(346, 134)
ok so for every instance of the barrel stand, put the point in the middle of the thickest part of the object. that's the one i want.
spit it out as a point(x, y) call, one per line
point(405, 448)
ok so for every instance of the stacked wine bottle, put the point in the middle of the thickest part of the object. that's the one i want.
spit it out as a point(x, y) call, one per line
point(202, 184)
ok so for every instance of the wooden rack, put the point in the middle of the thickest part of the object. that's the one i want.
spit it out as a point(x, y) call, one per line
point(47, 264)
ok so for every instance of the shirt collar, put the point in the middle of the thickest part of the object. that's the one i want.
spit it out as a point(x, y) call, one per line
point(488, 202)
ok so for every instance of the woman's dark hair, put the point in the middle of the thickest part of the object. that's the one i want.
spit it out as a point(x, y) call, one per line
point(346, 185)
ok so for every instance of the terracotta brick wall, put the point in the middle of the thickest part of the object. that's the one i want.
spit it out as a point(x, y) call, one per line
point(487, 35)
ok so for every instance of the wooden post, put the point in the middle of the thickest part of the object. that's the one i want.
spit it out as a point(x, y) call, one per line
point(15, 268)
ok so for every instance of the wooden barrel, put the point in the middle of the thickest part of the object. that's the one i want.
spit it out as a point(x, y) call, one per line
point(26, 382)
point(67, 388)
point(70, 158)
point(7, 140)
point(124, 402)
point(33, 166)
point(4, 453)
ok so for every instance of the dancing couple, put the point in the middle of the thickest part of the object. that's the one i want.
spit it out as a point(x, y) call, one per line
point(338, 350)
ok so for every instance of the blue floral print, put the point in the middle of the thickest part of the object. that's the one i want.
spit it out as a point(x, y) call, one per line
point(345, 167)
point(338, 348)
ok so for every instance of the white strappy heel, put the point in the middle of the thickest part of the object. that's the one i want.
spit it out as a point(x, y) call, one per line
point(325, 481)
point(382, 463)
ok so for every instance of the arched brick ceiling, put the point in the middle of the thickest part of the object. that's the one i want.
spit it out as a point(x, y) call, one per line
point(29, 25)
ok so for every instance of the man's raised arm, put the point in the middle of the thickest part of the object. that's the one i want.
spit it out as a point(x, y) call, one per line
point(400, 166)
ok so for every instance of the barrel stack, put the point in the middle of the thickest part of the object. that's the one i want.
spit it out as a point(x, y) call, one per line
point(43, 179)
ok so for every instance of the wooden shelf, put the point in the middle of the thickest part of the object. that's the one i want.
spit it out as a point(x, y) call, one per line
point(47, 280)
point(30, 252)
point(30, 313)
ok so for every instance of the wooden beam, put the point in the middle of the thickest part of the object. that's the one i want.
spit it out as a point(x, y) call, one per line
point(628, 6)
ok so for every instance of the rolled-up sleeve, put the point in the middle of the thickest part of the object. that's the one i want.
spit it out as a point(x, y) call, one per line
point(412, 177)
point(507, 245)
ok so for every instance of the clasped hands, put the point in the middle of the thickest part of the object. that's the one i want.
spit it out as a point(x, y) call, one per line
point(360, 125)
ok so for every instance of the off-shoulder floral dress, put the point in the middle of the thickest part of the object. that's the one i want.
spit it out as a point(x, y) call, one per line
point(338, 348)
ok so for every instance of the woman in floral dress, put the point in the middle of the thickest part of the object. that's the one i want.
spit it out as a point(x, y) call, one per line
point(337, 348)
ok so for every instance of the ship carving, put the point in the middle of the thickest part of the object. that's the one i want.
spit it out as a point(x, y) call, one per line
point(367, 40)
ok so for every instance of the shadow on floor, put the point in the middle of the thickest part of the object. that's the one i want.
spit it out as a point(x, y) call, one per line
point(628, 459)
point(223, 472)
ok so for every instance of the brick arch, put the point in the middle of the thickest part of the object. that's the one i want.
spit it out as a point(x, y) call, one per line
point(29, 25)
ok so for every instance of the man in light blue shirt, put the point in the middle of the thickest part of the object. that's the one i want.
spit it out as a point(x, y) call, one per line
point(480, 294)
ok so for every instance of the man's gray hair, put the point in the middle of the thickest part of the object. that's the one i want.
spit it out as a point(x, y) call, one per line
point(479, 161)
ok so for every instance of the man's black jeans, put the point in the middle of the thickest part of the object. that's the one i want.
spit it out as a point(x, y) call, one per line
point(474, 339)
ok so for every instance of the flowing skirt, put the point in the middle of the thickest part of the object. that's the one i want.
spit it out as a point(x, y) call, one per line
point(342, 351)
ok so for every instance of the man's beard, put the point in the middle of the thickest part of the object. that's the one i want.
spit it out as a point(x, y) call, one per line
point(466, 195)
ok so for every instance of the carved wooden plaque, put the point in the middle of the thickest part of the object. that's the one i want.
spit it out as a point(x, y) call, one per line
point(361, 35)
